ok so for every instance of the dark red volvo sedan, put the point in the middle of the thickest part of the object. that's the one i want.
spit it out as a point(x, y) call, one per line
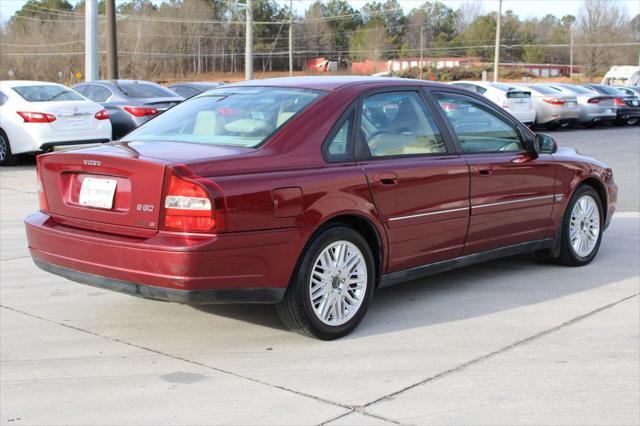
point(310, 193)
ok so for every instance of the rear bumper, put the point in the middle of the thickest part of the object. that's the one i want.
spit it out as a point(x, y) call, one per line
point(626, 113)
point(48, 145)
point(248, 266)
point(191, 297)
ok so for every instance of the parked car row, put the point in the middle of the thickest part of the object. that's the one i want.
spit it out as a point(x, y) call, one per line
point(36, 116)
point(553, 105)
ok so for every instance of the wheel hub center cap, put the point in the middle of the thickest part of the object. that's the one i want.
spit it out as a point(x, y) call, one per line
point(335, 282)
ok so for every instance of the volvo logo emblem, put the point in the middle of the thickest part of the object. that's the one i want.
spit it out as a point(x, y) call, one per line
point(92, 162)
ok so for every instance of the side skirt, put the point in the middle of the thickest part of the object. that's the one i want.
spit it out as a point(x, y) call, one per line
point(446, 265)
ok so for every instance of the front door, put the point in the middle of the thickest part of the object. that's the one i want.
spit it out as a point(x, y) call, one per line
point(512, 190)
point(420, 186)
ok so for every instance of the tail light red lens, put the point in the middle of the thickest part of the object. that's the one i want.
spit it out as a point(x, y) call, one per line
point(555, 101)
point(189, 206)
point(36, 117)
point(140, 111)
point(42, 197)
point(102, 115)
point(619, 102)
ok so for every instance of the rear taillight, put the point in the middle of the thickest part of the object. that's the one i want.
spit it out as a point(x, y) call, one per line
point(36, 117)
point(189, 206)
point(555, 101)
point(102, 115)
point(42, 198)
point(618, 102)
point(594, 101)
point(140, 111)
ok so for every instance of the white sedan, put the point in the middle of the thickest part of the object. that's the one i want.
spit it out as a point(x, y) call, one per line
point(35, 116)
point(517, 101)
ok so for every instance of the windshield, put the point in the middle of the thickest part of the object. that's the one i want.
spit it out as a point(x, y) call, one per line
point(139, 90)
point(240, 116)
point(47, 93)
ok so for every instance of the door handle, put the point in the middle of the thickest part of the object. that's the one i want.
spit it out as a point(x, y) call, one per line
point(484, 171)
point(386, 178)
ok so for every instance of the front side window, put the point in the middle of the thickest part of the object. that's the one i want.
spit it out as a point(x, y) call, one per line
point(240, 116)
point(478, 127)
point(399, 123)
point(47, 93)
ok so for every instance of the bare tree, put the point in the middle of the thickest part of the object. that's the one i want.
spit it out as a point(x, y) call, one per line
point(600, 22)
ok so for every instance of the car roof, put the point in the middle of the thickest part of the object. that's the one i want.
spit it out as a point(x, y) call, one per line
point(196, 84)
point(329, 83)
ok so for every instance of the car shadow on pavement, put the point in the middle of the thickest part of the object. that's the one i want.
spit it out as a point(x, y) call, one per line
point(478, 290)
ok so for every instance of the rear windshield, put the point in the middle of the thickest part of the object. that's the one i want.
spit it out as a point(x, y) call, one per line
point(579, 90)
point(610, 90)
point(47, 93)
point(545, 90)
point(240, 116)
point(503, 87)
point(138, 90)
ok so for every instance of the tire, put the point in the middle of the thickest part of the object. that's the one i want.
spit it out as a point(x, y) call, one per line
point(581, 224)
point(633, 121)
point(591, 124)
point(6, 156)
point(552, 125)
point(318, 318)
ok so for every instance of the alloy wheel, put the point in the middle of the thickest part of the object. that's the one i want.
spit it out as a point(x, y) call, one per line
point(584, 228)
point(338, 283)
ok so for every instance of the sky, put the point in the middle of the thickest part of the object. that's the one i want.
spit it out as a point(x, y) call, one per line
point(522, 8)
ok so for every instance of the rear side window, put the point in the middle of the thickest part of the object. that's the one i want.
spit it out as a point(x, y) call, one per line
point(337, 147)
point(399, 123)
point(241, 116)
point(3, 98)
point(138, 90)
point(478, 127)
point(47, 93)
point(97, 93)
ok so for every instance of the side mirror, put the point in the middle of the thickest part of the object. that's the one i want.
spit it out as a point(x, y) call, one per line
point(544, 144)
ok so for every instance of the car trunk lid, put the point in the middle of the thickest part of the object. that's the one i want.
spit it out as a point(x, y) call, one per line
point(519, 100)
point(116, 187)
point(72, 116)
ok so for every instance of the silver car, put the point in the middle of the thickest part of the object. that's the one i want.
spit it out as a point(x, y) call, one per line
point(594, 107)
point(553, 108)
point(130, 103)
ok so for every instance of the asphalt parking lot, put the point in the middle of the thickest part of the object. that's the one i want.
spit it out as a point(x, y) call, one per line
point(513, 341)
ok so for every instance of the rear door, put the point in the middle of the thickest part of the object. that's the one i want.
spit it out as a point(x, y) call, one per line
point(512, 191)
point(420, 186)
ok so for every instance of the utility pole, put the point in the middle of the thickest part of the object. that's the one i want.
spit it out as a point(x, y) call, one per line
point(248, 44)
point(571, 52)
point(496, 59)
point(420, 65)
point(290, 38)
point(112, 40)
point(91, 40)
